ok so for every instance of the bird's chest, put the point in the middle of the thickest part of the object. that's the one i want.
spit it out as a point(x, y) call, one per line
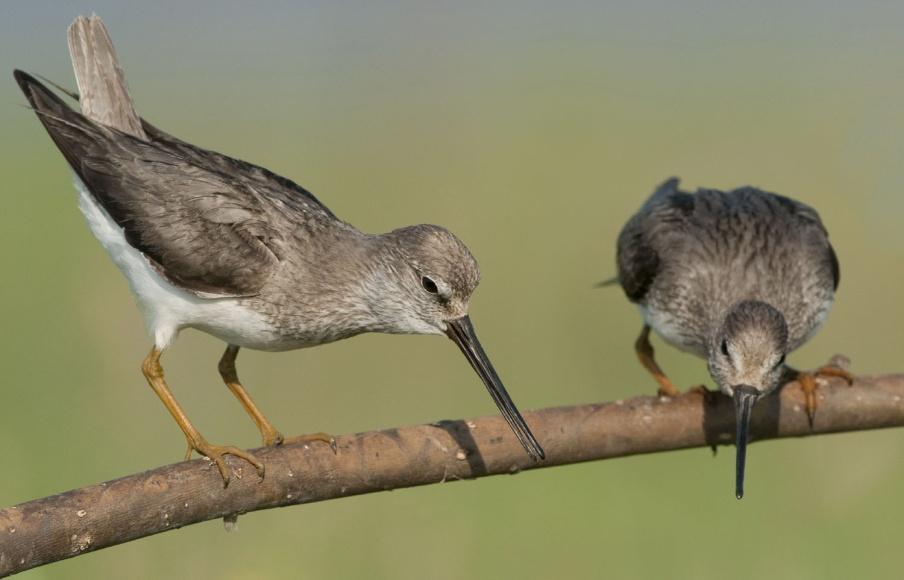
point(302, 317)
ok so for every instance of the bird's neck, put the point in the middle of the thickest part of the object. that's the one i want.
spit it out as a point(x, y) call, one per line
point(384, 290)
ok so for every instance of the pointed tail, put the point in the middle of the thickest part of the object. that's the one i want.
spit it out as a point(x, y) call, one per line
point(104, 97)
point(607, 282)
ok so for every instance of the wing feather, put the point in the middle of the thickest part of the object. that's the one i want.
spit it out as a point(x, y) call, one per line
point(204, 231)
point(637, 259)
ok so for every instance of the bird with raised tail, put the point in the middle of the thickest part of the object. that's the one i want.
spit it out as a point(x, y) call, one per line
point(226, 247)
point(740, 278)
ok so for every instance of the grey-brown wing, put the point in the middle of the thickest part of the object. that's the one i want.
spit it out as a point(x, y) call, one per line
point(203, 231)
point(815, 237)
point(277, 186)
point(638, 262)
point(834, 267)
point(287, 190)
point(637, 257)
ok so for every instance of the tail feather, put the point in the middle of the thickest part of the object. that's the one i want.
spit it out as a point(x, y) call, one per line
point(102, 94)
point(607, 282)
point(104, 97)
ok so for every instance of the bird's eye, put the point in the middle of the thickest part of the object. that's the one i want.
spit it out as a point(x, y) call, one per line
point(725, 347)
point(429, 285)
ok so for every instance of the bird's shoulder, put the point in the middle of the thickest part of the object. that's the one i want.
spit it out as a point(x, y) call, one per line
point(753, 203)
point(789, 222)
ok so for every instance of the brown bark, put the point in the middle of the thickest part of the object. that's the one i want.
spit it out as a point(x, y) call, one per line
point(87, 519)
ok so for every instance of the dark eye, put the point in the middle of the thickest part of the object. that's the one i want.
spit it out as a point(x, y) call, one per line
point(429, 285)
point(725, 347)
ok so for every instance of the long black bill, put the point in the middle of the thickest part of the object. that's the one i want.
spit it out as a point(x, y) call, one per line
point(462, 332)
point(744, 398)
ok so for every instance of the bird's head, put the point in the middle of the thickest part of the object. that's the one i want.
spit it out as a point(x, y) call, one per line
point(434, 274)
point(426, 282)
point(747, 360)
point(749, 348)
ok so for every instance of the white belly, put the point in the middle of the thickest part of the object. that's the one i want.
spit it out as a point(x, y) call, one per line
point(670, 329)
point(166, 308)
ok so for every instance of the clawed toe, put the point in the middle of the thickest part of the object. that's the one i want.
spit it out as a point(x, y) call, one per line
point(808, 385)
point(833, 371)
point(311, 437)
point(218, 453)
point(668, 391)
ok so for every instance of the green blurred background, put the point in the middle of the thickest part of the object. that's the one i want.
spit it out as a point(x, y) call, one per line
point(533, 132)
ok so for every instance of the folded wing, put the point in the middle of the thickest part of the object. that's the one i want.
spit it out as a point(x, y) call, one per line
point(204, 230)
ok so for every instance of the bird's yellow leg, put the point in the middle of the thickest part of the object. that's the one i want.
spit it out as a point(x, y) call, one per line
point(269, 434)
point(153, 372)
point(645, 354)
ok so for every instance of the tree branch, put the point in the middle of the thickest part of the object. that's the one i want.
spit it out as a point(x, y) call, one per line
point(87, 519)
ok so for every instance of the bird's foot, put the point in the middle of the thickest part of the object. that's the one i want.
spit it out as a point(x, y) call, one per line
point(311, 437)
point(835, 371)
point(808, 385)
point(666, 387)
point(216, 454)
point(646, 356)
point(271, 437)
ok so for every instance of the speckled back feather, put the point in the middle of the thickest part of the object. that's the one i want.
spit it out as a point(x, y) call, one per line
point(688, 258)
